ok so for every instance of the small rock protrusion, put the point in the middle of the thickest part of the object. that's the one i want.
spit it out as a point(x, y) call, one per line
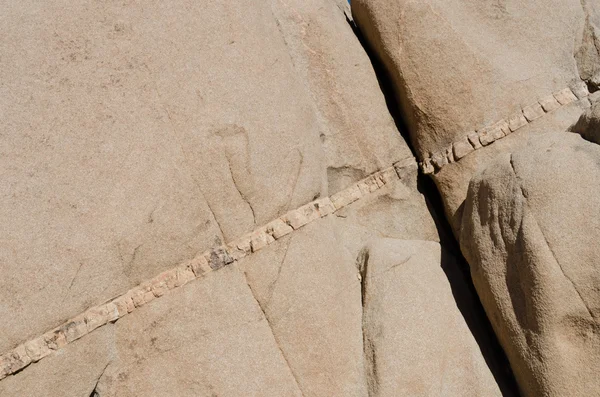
point(549, 103)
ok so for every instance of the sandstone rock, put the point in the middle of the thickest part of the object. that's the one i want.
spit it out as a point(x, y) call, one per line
point(461, 148)
point(74, 372)
point(533, 112)
point(209, 338)
point(530, 227)
point(588, 125)
point(410, 317)
point(452, 74)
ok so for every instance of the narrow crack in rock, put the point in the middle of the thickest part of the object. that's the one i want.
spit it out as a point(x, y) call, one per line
point(277, 343)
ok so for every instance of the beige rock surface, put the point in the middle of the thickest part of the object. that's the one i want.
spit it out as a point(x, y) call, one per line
point(134, 136)
point(292, 319)
point(461, 66)
point(128, 146)
point(530, 230)
point(411, 316)
point(588, 125)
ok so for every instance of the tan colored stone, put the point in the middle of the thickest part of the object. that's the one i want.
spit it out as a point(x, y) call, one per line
point(55, 339)
point(112, 312)
point(278, 228)
point(450, 155)
point(301, 216)
point(74, 371)
point(580, 89)
point(486, 136)
point(325, 207)
point(184, 275)
point(368, 185)
point(240, 247)
point(137, 296)
point(549, 103)
point(588, 125)
point(427, 166)
point(565, 96)
point(149, 297)
point(4, 367)
point(533, 250)
point(121, 306)
point(504, 127)
point(517, 121)
point(439, 160)
point(462, 148)
point(95, 317)
point(533, 112)
point(75, 328)
point(389, 174)
point(37, 349)
point(199, 265)
point(260, 239)
point(474, 140)
point(346, 196)
point(17, 359)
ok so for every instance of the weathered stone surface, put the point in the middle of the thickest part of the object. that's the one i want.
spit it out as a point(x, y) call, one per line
point(73, 372)
point(140, 135)
point(134, 151)
point(323, 283)
point(517, 121)
point(461, 148)
point(208, 338)
point(549, 103)
point(533, 112)
point(530, 230)
point(403, 338)
point(565, 96)
point(452, 74)
point(588, 125)
point(474, 140)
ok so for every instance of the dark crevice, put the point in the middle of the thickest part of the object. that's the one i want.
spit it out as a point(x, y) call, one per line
point(453, 263)
point(385, 85)
point(95, 392)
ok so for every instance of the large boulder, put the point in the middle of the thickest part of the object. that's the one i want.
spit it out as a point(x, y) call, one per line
point(127, 146)
point(530, 232)
point(481, 69)
point(136, 135)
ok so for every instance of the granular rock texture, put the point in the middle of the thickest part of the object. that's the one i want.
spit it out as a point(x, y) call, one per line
point(216, 198)
point(188, 192)
point(530, 231)
point(488, 91)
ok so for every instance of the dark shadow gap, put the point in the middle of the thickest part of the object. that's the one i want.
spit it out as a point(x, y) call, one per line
point(453, 263)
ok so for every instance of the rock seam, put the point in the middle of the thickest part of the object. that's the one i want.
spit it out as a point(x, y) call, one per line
point(214, 259)
point(492, 132)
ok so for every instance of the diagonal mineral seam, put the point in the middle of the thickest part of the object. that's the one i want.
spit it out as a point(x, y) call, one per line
point(44, 345)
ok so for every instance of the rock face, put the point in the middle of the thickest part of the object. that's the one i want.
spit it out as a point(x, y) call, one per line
point(135, 136)
point(588, 125)
point(471, 73)
point(530, 230)
point(487, 90)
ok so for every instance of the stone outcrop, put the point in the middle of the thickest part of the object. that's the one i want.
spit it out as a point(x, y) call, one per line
point(478, 72)
point(588, 125)
point(189, 191)
point(530, 230)
point(488, 92)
